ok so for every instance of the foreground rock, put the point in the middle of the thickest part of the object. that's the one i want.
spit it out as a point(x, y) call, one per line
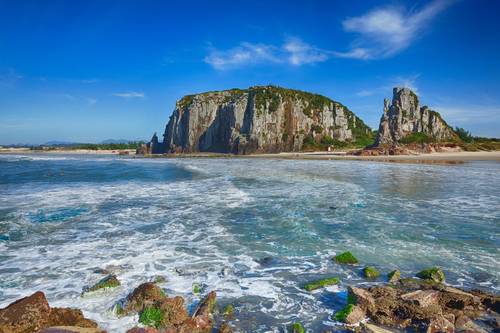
point(71, 329)
point(423, 305)
point(264, 119)
point(168, 314)
point(146, 295)
point(33, 314)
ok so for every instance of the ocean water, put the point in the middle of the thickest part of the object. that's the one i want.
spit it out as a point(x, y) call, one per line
point(254, 230)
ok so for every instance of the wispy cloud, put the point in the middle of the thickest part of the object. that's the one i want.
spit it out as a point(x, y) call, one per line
point(9, 78)
point(293, 51)
point(384, 32)
point(243, 54)
point(130, 94)
point(91, 101)
point(300, 53)
point(408, 81)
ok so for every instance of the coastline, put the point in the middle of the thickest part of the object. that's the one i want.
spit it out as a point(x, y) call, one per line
point(462, 156)
point(68, 151)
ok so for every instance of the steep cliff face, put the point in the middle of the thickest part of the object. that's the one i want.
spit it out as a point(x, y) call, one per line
point(257, 119)
point(404, 121)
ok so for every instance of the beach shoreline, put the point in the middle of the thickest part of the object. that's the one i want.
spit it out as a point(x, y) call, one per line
point(461, 156)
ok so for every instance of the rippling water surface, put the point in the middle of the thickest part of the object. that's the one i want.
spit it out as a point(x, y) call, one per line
point(253, 230)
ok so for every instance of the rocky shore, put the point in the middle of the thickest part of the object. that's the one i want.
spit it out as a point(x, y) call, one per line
point(423, 303)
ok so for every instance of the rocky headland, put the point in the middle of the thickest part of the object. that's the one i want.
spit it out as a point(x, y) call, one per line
point(261, 119)
point(270, 119)
point(395, 302)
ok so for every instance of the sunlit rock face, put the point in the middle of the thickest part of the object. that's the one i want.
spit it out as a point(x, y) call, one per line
point(404, 117)
point(258, 119)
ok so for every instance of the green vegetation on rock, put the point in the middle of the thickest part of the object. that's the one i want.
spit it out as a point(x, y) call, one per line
point(119, 311)
point(110, 281)
point(196, 288)
point(321, 283)
point(418, 137)
point(342, 314)
point(433, 273)
point(151, 316)
point(228, 311)
point(346, 258)
point(370, 272)
point(316, 128)
point(464, 135)
point(394, 276)
point(296, 328)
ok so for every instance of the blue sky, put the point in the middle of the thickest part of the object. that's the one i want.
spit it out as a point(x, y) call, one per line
point(88, 71)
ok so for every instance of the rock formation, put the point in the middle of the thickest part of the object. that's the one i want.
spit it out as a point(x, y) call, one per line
point(258, 119)
point(33, 314)
point(404, 121)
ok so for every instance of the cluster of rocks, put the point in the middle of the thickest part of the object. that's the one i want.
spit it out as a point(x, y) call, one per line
point(157, 313)
point(423, 304)
point(168, 314)
point(419, 304)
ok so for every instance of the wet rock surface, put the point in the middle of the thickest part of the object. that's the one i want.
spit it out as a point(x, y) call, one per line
point(147, 294)
point(425, 306)
point(33, 313)
point(260, 119)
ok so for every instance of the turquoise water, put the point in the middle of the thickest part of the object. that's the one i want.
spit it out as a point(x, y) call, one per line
point(254, 230)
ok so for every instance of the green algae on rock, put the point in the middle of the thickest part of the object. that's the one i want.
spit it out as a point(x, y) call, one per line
point(346, 258)
point(297, 328)
point(433, 273)
point(110, 281)
point(342, 314)
point(228, 311)
point(321, 283)
point(370, 272)
point(151, 316)
point(196, 288)
point(394, 276)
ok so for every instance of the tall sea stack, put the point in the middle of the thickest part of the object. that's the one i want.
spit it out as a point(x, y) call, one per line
point(404, 121)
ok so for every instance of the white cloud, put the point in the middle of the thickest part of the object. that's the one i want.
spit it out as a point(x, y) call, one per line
point(300, 53)
point(130, 94)
point(406, 82)
point(356, 53)
point(91, 101)
point(244, 54)
point(386, 31)
point(293, 52)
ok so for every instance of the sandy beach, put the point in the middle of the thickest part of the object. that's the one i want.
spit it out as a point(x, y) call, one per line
point(451, 156)
point(336, 155)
